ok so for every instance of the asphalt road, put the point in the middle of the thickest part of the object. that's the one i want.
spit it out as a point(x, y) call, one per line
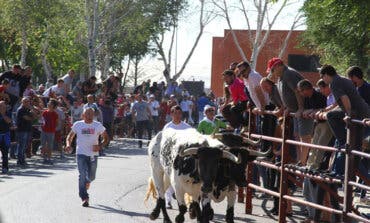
point(49, 194)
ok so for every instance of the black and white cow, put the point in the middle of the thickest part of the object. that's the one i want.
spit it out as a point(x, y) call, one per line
point(169, 165)
point(229, 174)
point(189, 161)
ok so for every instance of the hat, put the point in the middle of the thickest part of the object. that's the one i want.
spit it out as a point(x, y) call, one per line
point(272, 62)
point(207, 107)
point(152, 96)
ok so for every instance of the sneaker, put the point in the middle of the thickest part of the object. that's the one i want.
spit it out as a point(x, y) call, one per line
point(85, 203)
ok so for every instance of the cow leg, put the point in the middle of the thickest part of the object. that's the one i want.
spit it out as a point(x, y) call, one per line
point(158, 180)
point(181, 202)
point(231, 197)
point(194, 210)
point(207, 212)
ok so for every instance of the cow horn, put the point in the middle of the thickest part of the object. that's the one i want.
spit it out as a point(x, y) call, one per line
point(188, 152)
point(217, 135)
point(257, 153)
point(230, 156)
point(251, 142)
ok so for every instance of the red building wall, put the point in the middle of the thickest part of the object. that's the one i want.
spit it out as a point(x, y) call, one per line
point(224, 52)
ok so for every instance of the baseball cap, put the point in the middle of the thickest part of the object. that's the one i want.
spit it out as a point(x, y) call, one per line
point(273, 62)
point(151, 96)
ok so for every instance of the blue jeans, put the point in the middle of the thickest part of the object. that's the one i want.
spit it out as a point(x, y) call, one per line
point(23, 139)
point(87, 171)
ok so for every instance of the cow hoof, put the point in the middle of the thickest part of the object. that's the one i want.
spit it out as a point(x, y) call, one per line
point(154, 215)
point(167, 220)
point(179, 219)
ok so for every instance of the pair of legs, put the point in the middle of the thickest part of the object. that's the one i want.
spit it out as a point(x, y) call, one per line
point(304, 127)
point(23, 139)
point(4, 146)
point(47, 143)
point(87, 172)
point(140, 126)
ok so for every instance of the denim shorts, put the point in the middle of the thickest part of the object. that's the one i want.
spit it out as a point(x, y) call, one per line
point(47, 138)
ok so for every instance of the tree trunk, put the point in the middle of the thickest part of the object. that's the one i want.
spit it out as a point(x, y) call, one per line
point(92, 22)
point(24, 44)
point(45, 64)
point(126, 73)
point(136, 70)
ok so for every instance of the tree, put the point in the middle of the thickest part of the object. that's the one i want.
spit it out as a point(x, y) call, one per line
point(338, 31)
point(175, 8)
point(264, 24)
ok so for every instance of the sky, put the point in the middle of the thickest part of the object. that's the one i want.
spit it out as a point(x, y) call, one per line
point(199, 66)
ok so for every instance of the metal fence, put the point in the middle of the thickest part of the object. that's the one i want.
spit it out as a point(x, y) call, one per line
point(348, 212)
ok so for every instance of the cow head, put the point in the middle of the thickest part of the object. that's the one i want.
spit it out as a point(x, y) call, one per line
point(208, 163)
point(236, 171)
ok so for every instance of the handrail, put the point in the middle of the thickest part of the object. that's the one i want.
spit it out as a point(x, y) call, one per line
point(349, 153)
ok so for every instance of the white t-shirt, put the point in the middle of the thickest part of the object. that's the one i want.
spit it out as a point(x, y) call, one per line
point(181, 126)
point(153, 106)
point(251, 83)
point(55, 89)
point(87, 136)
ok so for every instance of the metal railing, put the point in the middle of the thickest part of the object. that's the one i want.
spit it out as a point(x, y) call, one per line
point(348, 212)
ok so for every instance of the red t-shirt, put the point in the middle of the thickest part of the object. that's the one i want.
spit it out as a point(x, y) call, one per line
point(237, 91)
point(2, 89)
point(50, 121)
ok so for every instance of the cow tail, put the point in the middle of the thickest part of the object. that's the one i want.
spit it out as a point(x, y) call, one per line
point(151, 190)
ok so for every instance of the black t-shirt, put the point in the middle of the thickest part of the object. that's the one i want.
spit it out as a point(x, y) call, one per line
point(23, 125)
point(316, 101)
point(23, 83)
point(4, 126)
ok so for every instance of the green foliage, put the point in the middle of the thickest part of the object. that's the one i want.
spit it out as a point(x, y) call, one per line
point(338, 31)
point(57, 28)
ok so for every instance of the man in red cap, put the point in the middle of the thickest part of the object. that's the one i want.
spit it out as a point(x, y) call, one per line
point(286, 79)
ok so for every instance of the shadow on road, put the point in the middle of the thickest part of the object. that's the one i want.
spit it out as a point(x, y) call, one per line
point(119, 211)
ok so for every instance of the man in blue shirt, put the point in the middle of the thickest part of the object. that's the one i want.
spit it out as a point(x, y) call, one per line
point(357, 77)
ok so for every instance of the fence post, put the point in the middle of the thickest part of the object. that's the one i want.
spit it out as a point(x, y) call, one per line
point(349, 170)
point(283, 173)
point(248, 190)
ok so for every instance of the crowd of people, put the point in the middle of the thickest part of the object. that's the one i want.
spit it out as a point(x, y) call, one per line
point(35, 121)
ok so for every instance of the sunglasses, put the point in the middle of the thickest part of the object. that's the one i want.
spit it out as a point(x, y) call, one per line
point(209, 110)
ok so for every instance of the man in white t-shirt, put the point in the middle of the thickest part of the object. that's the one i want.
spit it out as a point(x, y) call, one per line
point(177, 124)
point(153, 107)
point(185, 105)
point(87, 132)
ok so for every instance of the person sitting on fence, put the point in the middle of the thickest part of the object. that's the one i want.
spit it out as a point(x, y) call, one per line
point(233, 111)
point(351, 105)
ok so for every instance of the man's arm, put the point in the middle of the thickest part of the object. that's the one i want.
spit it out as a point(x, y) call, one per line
point(69, 140)
point(104, 142)
point(346, 104)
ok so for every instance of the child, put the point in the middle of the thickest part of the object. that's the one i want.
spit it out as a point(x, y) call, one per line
point(50, 121)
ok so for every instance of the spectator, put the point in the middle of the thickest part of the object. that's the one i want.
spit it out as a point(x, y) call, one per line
point(108, 118)
point(233, 111)
point(351, 105)
point(141, 113)
point(209, 124)
point(185, 105)
point(57, 90)
point(154, 107)
point(357, 77)
point(77, 90)
point(201, 103)
point(14, 77)
point(5, 122)
point(41, 89)
point(25, 116)
point(59, 130)
point(293, 102)
point(91, 104)
point(3, 87)
point(68, 80)
point(87, 132)
point(50, 122)
point(25, 79)
point(76, 111)
point(89, 86)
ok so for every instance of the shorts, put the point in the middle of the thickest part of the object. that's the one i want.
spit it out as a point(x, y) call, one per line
point(303, 126)
point(47, 138)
